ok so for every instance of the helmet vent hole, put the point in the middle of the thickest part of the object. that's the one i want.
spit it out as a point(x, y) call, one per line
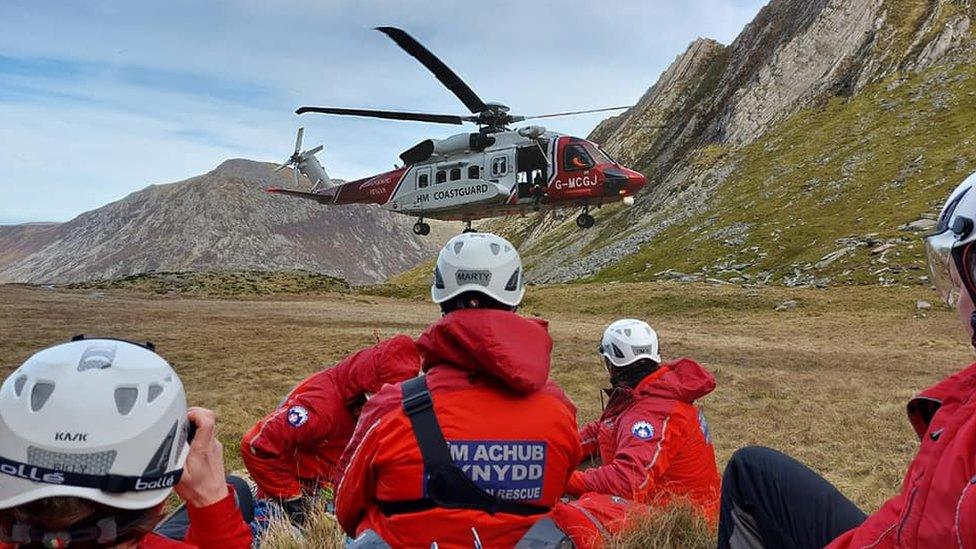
point(154, 391)
point(125, 399)
point(457, 246)
point(39, 394)
point(495, 248)
point(616, 351)
point(513, 282)
point(19, 385)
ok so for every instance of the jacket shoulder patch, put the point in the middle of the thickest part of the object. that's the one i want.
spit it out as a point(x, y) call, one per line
point(297, 416)
point(642, 430)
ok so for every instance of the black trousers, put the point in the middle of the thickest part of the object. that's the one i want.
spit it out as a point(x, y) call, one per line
point(176, 525)
point(770, 500)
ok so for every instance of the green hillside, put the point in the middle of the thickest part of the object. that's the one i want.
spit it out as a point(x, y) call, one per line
point(824, 196)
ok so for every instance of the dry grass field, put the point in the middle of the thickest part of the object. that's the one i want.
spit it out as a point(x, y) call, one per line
point(826, 381)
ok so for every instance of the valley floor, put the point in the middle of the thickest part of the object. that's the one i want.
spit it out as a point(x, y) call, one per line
point(826, 381)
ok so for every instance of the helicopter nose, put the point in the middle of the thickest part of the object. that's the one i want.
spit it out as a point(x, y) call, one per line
point(623, 182)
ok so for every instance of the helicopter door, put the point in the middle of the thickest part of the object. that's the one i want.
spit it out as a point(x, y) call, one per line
point(531, 170)
point(500, 169)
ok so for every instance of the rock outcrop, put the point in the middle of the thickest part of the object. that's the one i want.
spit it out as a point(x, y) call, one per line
point(686, 132)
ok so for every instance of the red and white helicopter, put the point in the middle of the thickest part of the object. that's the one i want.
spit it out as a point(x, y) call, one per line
point(495, 171)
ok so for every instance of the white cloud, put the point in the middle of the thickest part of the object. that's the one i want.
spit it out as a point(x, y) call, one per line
point(114, 95)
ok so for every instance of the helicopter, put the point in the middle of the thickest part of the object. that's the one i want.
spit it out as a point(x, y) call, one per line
point(495, 171)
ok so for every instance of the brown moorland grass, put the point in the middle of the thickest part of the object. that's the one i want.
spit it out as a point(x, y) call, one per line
point(826, 382)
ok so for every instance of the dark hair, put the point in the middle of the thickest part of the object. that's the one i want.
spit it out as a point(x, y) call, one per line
point(79, 518)
point(473, 300)
point(631, 374)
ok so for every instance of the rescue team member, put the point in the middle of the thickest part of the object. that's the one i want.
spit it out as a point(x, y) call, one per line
point(512, 432)
point(93, 438)
point(293, 452)
point(652, 441)
point(771, 500)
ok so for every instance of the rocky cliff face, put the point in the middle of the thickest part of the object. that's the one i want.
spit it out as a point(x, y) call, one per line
point(692, 129)
point(223, 220)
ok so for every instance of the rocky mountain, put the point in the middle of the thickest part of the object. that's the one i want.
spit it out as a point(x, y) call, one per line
point(808, 151)
point(222, 220)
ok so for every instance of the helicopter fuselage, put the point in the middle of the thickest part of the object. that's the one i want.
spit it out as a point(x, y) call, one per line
point(513, 173)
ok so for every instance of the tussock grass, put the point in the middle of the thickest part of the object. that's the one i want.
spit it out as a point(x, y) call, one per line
point(677, 526)
point(320, 531)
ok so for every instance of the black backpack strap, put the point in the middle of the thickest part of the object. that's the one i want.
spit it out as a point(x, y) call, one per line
point(419, 407)
point(446, 485)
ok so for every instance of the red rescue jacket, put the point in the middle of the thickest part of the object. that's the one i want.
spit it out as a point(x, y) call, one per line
point(937, 503)
point(216, 526)
point(300, 443)
point(488, 372)
point(654, 443)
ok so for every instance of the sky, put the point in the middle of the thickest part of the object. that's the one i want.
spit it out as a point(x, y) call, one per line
point(103, 97)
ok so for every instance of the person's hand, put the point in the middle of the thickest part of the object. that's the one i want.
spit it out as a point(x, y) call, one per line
point(203, 480)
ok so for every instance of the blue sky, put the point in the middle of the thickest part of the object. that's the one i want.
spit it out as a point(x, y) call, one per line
point(103, 97)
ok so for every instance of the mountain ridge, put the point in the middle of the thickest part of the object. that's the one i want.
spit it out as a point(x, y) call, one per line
point(221, 220)
point(694, 133)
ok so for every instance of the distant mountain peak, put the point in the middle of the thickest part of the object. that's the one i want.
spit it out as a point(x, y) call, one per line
point(221, 220)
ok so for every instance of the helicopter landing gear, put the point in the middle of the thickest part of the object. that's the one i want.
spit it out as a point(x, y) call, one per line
point(585, 220)
point(467, 228)
point(420, 228)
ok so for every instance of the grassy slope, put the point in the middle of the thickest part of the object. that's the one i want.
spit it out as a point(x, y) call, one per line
point(858, 166)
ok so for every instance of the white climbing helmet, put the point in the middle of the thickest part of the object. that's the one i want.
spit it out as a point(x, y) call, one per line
point(99, 419)
point(952, 262)
point(478, 262)
point(627, 341)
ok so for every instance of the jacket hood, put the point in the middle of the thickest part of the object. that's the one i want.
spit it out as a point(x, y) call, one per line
point(512, 349)
point(391, 361)
point(684, 380)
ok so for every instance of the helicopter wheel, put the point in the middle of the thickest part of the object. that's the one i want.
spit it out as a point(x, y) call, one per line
point(585, 221)
point(421, 229)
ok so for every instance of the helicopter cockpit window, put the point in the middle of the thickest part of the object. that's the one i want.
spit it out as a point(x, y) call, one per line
point(440, 177)
point(455, 174)
point(474, 172)
point(499, 166)
point(576, 158)
point(423, 180)
point(598, 154)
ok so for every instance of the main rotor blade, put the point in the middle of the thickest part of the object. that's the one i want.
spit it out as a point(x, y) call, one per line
point(572, 113)
point(443, 73)
point(389, 115)
point(312, 152)
point(281, 167)
point(298, 140)
point(297, 181)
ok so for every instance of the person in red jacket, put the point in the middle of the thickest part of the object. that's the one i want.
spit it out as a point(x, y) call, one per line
point(93, 439)
point(480, 448)
point(652, 441)
point(771, 500)
point(293, 452)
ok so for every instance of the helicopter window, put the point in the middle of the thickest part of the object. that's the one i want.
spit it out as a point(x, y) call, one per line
point(499, 166)
point(455, 174)
point(576, 158)
point(440, 177)
point(423, 180)
point(474, 172)
point(598, 154)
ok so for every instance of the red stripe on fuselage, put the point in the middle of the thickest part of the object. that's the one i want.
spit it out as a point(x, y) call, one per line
point(371, 190)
